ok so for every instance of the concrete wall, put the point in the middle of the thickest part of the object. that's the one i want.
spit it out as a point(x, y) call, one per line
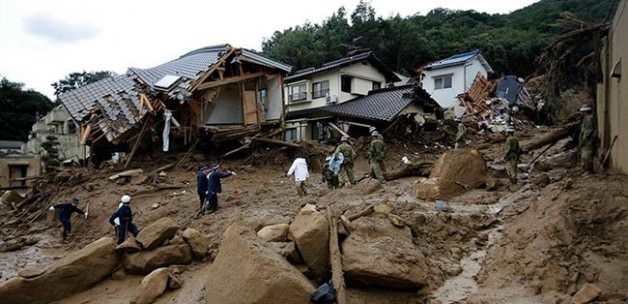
point(463, 76)
point(59, 123)
point(31, 161)
point(364, 74)
point(226, 108)
point(612, 104)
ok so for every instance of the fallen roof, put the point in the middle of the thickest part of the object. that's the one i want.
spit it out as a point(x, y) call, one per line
point(382, 104)
point(459, 59)
point(370, 56)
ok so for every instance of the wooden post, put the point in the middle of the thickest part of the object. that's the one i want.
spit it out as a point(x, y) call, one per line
point(335, 258)
point(137, 143)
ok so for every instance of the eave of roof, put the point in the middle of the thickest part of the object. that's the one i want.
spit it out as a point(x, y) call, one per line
point(370, 56)
point(379, 105)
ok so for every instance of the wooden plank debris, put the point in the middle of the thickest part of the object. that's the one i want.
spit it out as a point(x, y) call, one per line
point(127, 173)
point(335, 258)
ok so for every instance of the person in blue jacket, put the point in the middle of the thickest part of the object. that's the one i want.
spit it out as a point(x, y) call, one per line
point(122, 219)
point(214, 187)
point(202, 184)
point(65, 211)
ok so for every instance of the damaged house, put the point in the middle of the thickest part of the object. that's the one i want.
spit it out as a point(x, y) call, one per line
point(217, 93)
point(309, 91)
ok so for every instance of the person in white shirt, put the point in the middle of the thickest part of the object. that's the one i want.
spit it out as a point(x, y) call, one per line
point(301, 173)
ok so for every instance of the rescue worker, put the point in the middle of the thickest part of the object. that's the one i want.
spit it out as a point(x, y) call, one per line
point(202, 184)
point(214, 187)
point(64, 211)
point(122, 220)
point(586, 140)
point(300, 172)
point(461, 135)
point(329, 176)
point(513, 154)
point(376, 154)
point(349, 154)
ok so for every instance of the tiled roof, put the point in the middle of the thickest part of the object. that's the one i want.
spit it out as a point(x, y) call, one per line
point(342, 62)
point(383, 104)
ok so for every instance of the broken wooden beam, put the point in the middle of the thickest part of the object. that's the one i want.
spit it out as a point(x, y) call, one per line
point(335, 258)
point(549, 138)
point(127, 173)
point(411, 169)
point(335, 127)
point(277, 142)
point(229, 80)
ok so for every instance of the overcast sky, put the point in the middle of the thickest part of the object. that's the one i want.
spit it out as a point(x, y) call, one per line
point(42, 41)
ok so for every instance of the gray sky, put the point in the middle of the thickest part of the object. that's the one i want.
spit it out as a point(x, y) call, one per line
point(42, 41)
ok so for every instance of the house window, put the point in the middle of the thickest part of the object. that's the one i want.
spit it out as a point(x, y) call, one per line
point(297, 92)
point(345, 83)
point(291, 135)
point(263, 98)
point(71, 127)
point(443, 82)
point(320, 89)
point(377, 85)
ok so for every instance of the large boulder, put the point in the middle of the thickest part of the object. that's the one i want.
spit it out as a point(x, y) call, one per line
point(156, 233)
point(199, 243)
point(377, 253)
point(247, 271)
point(310, 231)
point(152, 286)
point(75, 272)
point(274, 233)
point(454, 173)
point(146, 261)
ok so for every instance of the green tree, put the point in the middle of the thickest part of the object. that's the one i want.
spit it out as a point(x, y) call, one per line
point(19, 109)
point(78, 79)
point(51, 157)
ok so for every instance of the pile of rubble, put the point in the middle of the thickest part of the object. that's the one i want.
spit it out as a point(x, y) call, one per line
point(157, 247)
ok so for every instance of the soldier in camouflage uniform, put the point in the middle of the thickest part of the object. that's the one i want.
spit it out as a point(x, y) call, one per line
point(348, 153)
point(376, 156)
point(513, 154)
point(586, 140)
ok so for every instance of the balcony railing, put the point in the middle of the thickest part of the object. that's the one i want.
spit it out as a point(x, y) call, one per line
point(297, 96)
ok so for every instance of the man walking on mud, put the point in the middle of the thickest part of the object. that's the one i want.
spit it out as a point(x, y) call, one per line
point(513, 154)
point(122, 220)
point(376, 154)
point(214, 187)
point(65, 211)
point(586, 140)
point(349, 154)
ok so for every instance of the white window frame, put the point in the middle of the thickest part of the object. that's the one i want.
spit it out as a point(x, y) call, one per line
point(443, 81)
point(323, 89)
point(301, 92)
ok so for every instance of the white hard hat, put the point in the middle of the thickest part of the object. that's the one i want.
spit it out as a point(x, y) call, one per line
point(125, 199)
point(585, 108)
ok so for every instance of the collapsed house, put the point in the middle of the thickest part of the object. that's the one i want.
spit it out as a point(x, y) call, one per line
point(217, 93)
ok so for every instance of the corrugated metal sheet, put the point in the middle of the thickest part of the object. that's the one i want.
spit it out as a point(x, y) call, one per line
point(453, 60)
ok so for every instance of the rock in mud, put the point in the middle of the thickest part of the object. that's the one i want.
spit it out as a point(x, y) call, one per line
point(454, 173)
point(586, 294)
point(310, 231)
point(199, 243)
point(146, 261)
point(152, 286)
point(288, 250)
point(377, 253)
point(74, 273)
point(247, 271)
point(156, 233)
point(130, 245)
point(274, 233)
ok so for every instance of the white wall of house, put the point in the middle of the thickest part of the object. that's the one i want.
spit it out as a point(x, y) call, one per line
point(274, 107)
point(363, 75)
point(462, 79)
point(59, 123)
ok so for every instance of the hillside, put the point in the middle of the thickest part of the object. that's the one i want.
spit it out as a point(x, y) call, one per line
point(510, 42)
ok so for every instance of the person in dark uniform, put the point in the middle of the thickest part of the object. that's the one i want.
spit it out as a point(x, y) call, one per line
point(214, 187)
point(202, 184)
point(122, 219)
point(64, 211)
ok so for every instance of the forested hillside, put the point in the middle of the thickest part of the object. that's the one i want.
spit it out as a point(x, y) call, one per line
point(511, 42)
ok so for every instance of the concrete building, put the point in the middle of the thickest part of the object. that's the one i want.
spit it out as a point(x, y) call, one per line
point(307, 91)
point(59, 123)
point(612, 93)
point(445, 79)
point(15, 169)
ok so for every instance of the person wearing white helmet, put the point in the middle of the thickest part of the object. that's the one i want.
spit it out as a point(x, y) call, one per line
point(376, 154)
point(122, 219)
point(587, 138)
point(512, 154)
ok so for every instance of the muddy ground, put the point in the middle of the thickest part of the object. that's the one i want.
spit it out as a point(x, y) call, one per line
point(538, 242)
